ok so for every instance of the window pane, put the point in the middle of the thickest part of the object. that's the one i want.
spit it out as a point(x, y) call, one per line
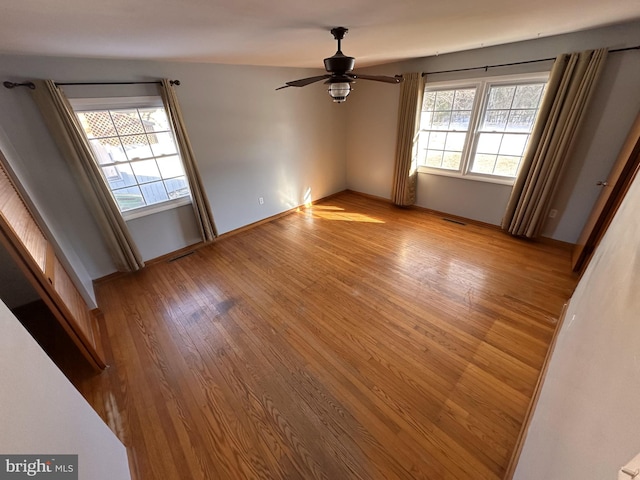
point(444, 100)
point(507, 166)
point(460, 120)
point(441, 120)
point(521, 120)
point(444, 123)
point(162, 143)
point(513, 144)
point(119, 176)
point(437, 140)
point(146, 171)
point(425, 120)
point(434, 158)
point(154, 119)
point(154, 192)
point(495, 120)
point(97, 124)
point(501, 97)
point(510, 108)
point(455, 141)
point(170, 167)
point(464, 99)
point(489, 143)
point(528, 96)
point(127, 122)
point(423, 142)
point(136, 146)
point(451, 160)
point(484, 163)
point(177, 187)
point(128, 198)
point(108, 150)
point(429, 101)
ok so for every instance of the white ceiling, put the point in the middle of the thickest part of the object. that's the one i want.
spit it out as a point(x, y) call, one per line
point(289, 32)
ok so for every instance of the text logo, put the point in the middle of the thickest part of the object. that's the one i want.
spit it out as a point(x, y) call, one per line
point(45, 467)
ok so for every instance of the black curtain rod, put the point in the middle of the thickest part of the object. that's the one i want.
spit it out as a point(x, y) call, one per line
point(32, 86)
point(487, 67)
point(157, 82)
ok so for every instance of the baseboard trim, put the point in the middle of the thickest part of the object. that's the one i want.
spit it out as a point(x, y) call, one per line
point(368, 195)
point(457, 218)
point(276, 216)
point(430, 211)
point(176, 253)
point(544, 240)
point(556, 243)
point(522, 436)
point(250, 226)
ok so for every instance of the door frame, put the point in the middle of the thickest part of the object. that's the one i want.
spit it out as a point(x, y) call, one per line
point(615, 188)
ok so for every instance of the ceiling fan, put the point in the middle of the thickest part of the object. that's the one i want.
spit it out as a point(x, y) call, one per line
point(340, 75)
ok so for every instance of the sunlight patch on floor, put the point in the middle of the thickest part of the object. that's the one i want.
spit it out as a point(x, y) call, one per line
point(329, 212)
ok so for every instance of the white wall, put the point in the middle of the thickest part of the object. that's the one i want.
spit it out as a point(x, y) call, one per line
point(165, 231)
point(586, 423)
point(373, 116)
point(482, 201)
point(250, 141)
point(42, 413)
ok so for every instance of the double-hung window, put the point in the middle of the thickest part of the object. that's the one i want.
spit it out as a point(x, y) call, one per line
point(134, 146)
point(478, 129)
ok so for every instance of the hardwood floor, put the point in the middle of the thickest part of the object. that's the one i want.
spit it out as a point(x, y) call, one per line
point(350, 340)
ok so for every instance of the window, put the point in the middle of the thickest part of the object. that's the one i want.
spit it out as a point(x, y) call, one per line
point(134, 146)
point(478, 129)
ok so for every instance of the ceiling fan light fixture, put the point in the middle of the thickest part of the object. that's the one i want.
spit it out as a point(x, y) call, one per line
point(339, 91)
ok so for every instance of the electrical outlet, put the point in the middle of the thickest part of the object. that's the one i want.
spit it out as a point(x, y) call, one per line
point(261, 200)
point(552, 213)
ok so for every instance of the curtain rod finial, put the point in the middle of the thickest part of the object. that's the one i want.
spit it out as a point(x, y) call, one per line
point(31, 85)
point(174, 82)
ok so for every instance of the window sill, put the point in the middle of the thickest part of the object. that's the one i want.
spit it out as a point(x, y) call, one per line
point(469, 176)
point(156, 208)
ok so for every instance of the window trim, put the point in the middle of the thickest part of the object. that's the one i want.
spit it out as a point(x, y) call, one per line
point(80, 105)
point(482, 85)
point(114, 103)
point(155, 208)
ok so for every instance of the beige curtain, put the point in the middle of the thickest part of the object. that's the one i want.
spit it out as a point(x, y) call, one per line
point(405, 175)
point(198, 195)
point(72, 142)
point(570, 87)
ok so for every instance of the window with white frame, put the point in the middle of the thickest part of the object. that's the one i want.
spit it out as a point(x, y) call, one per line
point(478, 129)
point(134, 147)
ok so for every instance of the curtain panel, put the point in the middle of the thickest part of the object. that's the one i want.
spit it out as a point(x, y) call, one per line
point(74, 146)
point(570, 87)
point(199, 199)
point(405, 175)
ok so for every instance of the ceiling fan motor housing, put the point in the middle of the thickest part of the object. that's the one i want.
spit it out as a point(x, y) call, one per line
point(339, 64)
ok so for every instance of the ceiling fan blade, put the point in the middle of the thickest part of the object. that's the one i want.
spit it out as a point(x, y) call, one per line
point(304, 81)
point(377, 78)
